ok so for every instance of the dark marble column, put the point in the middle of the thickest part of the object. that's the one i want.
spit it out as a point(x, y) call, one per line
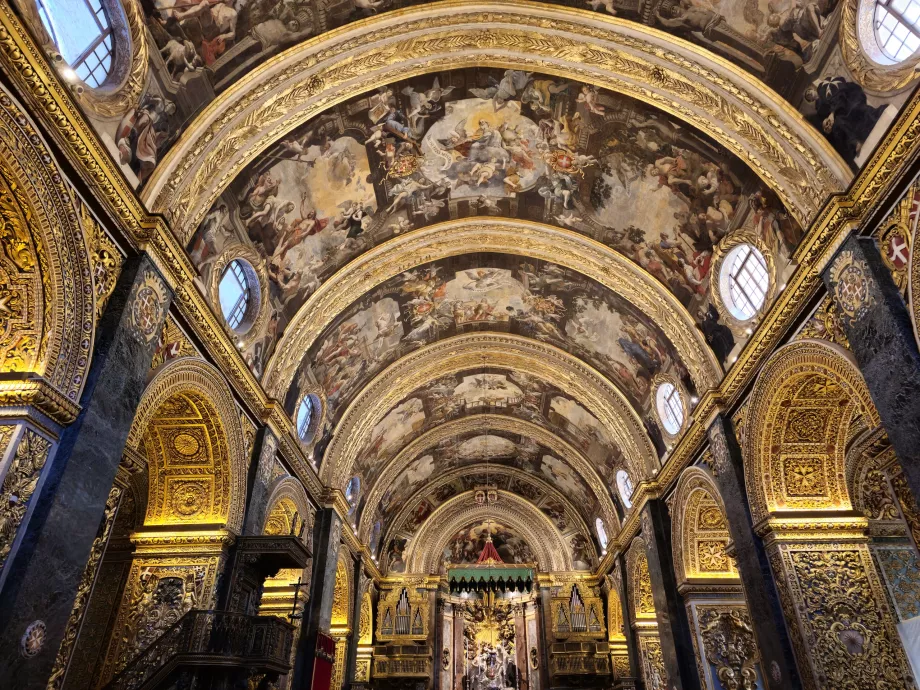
point(880, 332)
point(42, 578)
point(776, 655)
point(632, 644)
point(351, 659)
point(327, 537)
point(673, 626)
point(260, 475)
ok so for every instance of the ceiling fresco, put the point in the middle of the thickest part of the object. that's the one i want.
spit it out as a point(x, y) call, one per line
point(453, 397)
point(398, 527)
point(484, 142)
point(199, 50)
point(487, 292)
point(501, 449)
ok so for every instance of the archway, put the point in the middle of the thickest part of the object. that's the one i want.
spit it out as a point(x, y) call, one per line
point(802, 410)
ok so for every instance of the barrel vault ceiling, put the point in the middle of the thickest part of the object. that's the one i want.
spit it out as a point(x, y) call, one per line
point(485, 233)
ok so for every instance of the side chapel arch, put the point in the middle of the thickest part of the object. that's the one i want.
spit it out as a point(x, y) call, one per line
point(46, 274)
point(700, 532)
point(188, 427)
point(801, 408)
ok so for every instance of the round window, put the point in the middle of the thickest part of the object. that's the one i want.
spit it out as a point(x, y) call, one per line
point(625, 487)
point(83, 34)
point(601, 533)
point(236, 292)
point(897, 28)
point(305, 413)
point(670, 407)
point(744, 281)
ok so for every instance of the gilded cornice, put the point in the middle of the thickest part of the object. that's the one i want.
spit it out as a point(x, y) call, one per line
point(451, 355)
point(493, 471)
point(485, 422)
point(426, 549)
point(720, 99)
point(472, 235)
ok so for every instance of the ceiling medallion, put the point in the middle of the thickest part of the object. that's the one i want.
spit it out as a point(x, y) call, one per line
point(186, 444)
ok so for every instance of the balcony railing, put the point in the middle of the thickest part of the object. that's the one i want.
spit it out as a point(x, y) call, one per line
point(201, 639)
point(406, 661)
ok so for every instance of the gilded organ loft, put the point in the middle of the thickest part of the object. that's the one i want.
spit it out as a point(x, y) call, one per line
point(459, 345)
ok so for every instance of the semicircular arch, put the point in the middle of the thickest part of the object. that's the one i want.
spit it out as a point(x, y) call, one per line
point(801, 407)
point(549, 548)
point(492, 422)
point(530, 239)
point(188, 419)
point(601, 398)
point(700, 529)
point(710, 93)
point(549, 492)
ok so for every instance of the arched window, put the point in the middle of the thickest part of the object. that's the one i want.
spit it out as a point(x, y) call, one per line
point(83, 34)
point(744, 281)
point(235, 293)
point(625, 487)
point(305, 413)
point(670, 407)
point(601, 533)
point(897, 28)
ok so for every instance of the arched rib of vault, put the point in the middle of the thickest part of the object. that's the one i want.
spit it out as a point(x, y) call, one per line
point(706, 91)
point(451, 355)
point(427, 546)
point(501, 236)
point(394, 527)
point(486, 422)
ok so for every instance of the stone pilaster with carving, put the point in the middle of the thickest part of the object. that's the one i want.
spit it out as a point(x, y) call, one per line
point(751, 560)
point(260, 477)
point(60, 532)
point(880, 333)
point(327, 538)
point(673, 626)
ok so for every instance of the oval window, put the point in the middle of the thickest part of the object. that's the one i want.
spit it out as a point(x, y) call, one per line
point(235, 294)
point(744, 281)
point(601, 533)
point(897, 28)
point(670, 407)
point(305, 413)
point(625, 487)
point(83, 34)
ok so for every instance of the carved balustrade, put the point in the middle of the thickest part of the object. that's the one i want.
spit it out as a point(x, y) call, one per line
point(218, 641)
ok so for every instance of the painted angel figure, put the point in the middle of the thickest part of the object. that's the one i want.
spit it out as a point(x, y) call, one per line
point(423, 103)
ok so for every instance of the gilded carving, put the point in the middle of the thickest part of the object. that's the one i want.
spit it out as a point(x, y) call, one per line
point(802, 467)
point(852, 286)
point(728, 638)
point(19, 486)
point(149, 305)
point(341, 594)
point(105, 259)
point(43, 262)
point(189, 400)
point(402, 601)
point(171, 344)
point(835, 596)
point(653, 668)
point(895, 236)
point(825, 324)
point(699, 529)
